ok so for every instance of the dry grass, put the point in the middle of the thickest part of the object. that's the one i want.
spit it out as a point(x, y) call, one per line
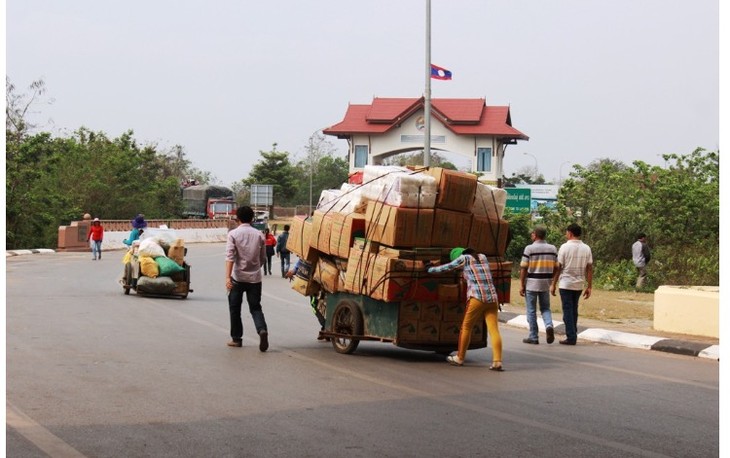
point(604, 305)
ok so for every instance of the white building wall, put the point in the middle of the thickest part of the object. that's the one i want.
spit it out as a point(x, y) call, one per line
point(409, 136)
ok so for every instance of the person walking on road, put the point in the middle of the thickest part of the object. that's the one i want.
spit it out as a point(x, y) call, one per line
point(482, 302)
point(270, 248)
point(574, 271)
point(641, 256)
point(96, 235)
point(245, 254)
point(282, 252)
point(536, 273)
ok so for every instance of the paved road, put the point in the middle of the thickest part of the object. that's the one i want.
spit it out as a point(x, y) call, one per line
point(91, 372)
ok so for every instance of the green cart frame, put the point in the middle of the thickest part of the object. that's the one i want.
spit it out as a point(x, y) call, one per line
point(351, 318)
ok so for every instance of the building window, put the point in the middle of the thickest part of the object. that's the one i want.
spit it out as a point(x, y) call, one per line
point(484, 159)
point(361, 156)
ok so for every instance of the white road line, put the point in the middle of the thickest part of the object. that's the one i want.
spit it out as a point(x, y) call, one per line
point(39, 436)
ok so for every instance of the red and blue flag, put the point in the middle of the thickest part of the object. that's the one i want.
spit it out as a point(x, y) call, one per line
point(439, 73)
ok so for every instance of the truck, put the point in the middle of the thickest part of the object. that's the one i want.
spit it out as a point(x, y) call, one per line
point(208, 202)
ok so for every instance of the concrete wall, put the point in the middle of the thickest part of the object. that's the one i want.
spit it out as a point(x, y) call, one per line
point(73, 237)
point(693, 310)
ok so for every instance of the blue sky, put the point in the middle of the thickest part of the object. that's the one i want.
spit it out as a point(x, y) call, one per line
point(226, 79)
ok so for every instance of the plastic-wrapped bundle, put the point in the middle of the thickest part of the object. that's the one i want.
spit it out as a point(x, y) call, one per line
point(347, 199)
point(399, 187)
point(490, 201)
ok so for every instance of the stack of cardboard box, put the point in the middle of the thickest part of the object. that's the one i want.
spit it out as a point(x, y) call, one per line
point(380, 250)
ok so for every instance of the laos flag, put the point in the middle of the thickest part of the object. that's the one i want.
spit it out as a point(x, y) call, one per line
point(439, 73)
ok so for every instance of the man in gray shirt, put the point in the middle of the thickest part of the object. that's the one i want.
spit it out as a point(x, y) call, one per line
point(245, 254)
point(641, 255)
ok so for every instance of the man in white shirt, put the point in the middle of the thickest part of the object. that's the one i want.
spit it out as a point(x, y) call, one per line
point(574, 271)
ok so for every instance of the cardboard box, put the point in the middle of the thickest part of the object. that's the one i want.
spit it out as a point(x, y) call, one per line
point(488, 236)
point(410, 310)
point(478, 332)
point(450, 228)
point(356, 275)
point(428, 331)
point(177, 251)
point(321, 231)
point(398, 227)
point(304, 287)
point(454, 311)
point(502, 277)
point(344, 230)
point(449, 331)
point(431, 311)
point(452, 292)
point(300, 231)
point(408, 330)
point(328, 276)
point(456, 190)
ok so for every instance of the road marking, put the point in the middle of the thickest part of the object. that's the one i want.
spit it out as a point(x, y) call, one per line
point(39, 436)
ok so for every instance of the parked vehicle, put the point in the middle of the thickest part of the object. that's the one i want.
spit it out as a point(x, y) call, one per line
point(208, 201)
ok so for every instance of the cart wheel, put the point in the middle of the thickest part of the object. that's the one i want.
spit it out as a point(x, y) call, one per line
point(346, 320)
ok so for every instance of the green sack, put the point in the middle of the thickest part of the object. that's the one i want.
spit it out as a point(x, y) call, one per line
point(168, 266)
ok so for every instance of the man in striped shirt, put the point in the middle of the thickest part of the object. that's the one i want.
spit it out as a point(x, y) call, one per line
point(575, 270)
point(536, 273)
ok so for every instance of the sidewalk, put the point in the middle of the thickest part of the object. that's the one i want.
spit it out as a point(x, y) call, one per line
point(628, 333)
point(633, 334)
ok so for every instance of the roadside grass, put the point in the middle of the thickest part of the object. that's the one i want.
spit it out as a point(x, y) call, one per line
point(603, 305)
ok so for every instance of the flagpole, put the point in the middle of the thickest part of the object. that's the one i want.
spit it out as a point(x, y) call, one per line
point(427, 103)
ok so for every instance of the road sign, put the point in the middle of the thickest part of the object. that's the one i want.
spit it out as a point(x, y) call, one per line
point(262, 194)
point(518, 199)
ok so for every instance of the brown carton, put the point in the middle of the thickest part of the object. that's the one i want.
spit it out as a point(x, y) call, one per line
point(177, 251)
point(431, 311)
point(408, 330)
point(454, 311)
point(428, 331)
point(398, 227)
point(449, 331)
point(321, 231)
point(344, 230)
point(327, 275)
point(488, 236)
point(450, 228)
point(456, 190)
point(410, 310)
point(304, 287)
point(298, 242)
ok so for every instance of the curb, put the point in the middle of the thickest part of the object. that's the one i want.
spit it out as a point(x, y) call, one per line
point(23, 252)
point(623, 339)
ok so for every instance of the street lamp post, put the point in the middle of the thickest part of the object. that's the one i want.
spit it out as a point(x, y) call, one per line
point(533, 156)
point(560, 173)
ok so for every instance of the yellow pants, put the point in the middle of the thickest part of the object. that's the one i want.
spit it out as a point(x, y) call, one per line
point(477, 310)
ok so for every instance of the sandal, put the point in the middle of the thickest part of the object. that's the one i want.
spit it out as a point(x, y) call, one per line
point(454, 361)
point(496, 368)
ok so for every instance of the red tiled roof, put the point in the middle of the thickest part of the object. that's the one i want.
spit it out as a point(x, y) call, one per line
point(461, 116)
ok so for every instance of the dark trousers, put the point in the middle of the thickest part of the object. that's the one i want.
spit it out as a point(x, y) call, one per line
point(284, 262)
point(235, 300)
point(569, 299)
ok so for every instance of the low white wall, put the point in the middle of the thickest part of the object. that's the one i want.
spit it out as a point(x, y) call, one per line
point(693, 310)
point(113, 240)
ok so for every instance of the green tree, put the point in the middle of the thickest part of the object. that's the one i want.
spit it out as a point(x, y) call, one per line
point(676, 206)
point(275, 169)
